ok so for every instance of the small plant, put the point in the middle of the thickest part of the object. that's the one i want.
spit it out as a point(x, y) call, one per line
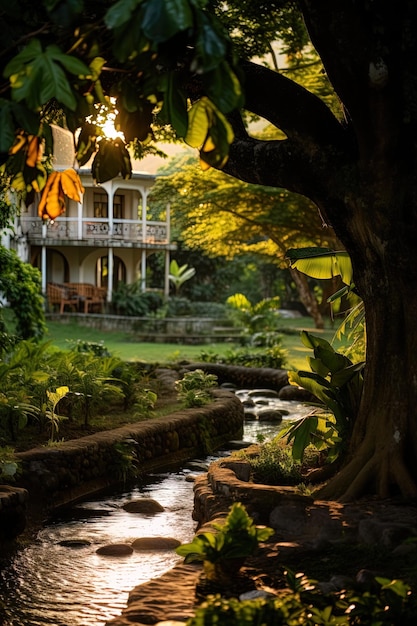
point(179, 274)
point(145, 402)
point(261, 317)
point(124, 460)
point(193, 388)
point(224, 551)
point(54, 419)
point(9, 466)
point(92, 347)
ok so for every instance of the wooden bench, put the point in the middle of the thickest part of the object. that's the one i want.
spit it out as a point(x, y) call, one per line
point(61, 296)
point(89, 296)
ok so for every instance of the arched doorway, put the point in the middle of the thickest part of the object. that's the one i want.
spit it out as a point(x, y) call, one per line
point(102, 271)
point(57, 266)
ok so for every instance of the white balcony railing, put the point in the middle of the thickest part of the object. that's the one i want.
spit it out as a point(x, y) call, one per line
point(95, 228)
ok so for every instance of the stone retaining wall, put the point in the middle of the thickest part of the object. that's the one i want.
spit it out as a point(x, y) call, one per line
point(57, 475)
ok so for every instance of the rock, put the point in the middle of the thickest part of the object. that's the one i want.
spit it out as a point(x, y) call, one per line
point(155, 543)
point(74, 543)
point(292, 392)
point(269, 414)
point(115, 549)
point(250, 415)
point(200, 466)
point(248, 403)
point(143, 505)
point(263, 393)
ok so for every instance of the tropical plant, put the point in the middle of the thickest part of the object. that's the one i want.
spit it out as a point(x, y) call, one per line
point(224, 551)
point(336, 382)
point(323, 263)
point(255, 320)
point(179, 274)
point(53, 399)
point(194, 387)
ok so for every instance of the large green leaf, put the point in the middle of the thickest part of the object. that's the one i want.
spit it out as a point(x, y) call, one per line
point(38, 75)
point(343, 376)
point(334, 361)
point(198, 123)
point(301, 433)
point(210, 45)
point(120, 13)
point(223, 87)
point(322, 263)
point(162, 19)
point(174, 109)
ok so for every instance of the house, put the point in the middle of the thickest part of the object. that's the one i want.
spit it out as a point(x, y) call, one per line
point(100, 242)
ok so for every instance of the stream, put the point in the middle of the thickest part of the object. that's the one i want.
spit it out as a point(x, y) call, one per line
point(50, 583)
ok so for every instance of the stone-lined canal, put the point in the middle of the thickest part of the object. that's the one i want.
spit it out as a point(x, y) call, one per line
point(50, 583)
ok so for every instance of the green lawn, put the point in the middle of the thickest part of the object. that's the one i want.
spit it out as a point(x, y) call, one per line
point(121, 343)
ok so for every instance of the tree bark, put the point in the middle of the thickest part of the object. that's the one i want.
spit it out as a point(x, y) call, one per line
point(383, 446)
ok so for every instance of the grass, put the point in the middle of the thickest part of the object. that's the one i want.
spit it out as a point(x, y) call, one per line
point(121, 344)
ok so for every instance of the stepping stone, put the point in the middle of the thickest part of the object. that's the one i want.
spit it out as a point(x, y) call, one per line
point(115, 549)
point(143, 505)
point(155, 543)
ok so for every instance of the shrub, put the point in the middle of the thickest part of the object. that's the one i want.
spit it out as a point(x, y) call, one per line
point(274, 465)
point(303, 603)
point(193, 388)
point(274, 357)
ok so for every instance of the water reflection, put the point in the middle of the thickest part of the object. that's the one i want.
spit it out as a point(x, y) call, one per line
point(48, 583)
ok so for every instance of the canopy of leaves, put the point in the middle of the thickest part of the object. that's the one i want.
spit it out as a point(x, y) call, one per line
point(225, 217)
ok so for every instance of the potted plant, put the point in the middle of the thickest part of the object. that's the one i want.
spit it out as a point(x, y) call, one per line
point(223, 552)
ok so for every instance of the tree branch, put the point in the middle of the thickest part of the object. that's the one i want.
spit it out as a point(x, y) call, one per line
point(300, 114)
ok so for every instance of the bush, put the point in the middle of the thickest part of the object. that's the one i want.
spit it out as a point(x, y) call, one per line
point(274, 465)
point(303, 603)
point(274, 357)
point(193, 388)
point(130, 300)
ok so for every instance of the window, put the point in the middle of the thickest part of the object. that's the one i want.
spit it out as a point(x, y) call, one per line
point(101, 205)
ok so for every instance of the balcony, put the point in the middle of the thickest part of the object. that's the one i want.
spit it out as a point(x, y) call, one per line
point(90, 229)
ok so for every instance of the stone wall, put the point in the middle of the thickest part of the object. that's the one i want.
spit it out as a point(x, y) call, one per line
point(70, 470)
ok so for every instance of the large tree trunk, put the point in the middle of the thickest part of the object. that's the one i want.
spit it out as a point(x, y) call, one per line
point(383, 447)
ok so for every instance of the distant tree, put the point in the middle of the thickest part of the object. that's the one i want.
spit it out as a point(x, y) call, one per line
point(226, 217)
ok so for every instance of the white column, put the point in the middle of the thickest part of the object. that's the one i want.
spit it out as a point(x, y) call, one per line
point(110, 268)
point(143, 272)
point(80, 220)
point(43, 269)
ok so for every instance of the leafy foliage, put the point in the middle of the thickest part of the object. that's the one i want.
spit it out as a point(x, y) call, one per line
point(274, 356)
point(194, 388)
point(236, 538)
point(20, 283)
point(337, 383)
point(303, 603)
